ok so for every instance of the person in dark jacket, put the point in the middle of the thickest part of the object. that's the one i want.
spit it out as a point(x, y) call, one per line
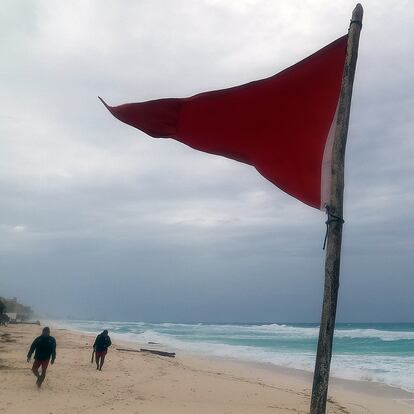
point(44, 347)
point(101, 345)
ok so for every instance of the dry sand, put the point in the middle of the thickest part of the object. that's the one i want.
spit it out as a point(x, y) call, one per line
point(135, 383)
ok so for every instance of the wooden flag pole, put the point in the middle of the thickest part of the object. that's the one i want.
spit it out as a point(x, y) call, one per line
point(335, 214)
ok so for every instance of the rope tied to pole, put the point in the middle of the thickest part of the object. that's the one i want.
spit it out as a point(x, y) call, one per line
point(331, 219)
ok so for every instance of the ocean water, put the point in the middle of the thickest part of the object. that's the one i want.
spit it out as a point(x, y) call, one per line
point(382, 353)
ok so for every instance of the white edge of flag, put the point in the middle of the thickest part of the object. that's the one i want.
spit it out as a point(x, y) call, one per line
point(326, 171)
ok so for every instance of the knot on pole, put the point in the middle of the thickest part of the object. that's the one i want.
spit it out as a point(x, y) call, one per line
point(331, 219)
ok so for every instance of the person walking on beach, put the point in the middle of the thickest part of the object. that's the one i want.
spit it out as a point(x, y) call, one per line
point(44, 347)
point(100, 347)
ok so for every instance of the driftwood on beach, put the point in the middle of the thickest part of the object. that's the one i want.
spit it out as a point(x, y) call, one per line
point(162, 353)
point(152, 351)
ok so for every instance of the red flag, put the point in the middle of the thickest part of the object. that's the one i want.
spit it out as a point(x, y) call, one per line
point(283, 125)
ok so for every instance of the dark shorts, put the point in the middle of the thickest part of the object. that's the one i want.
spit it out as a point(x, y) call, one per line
point(40, 362)
point(100, 354)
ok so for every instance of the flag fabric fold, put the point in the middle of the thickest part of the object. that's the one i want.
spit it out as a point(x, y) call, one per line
point(283, 125)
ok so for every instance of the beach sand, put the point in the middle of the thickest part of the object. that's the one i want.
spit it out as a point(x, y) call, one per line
point(135, 383)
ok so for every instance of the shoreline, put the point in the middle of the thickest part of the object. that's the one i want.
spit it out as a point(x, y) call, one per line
point(144, 383)
point(369, 387)
point(374, 388)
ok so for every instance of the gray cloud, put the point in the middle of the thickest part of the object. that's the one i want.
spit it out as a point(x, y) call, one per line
point(99, 220)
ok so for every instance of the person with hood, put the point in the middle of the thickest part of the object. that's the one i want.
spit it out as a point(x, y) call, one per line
point(100, 347)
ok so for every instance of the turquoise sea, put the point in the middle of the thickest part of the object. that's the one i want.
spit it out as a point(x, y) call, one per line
point(379, 352)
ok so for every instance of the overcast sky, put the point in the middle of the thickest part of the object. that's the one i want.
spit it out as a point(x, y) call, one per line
point(98, 220)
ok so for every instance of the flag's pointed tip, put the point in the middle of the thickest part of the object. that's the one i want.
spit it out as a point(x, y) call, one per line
point(109, 108)
point(106, 105)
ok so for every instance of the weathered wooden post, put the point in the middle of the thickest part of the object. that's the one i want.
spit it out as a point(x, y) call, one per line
point(335, 214)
